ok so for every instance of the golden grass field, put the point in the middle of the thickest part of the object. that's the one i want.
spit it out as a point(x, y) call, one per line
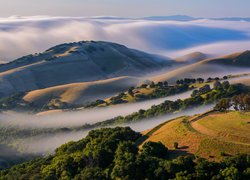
point(231, 126)
point(81, 93)
point(207, 137)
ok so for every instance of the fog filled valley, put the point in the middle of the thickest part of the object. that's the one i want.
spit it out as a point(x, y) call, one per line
point(48, 143)
point(175, 92)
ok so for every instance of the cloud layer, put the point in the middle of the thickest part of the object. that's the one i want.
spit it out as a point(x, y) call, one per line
point(20, 36)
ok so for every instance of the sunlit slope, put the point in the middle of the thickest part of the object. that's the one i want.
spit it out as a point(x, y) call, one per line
point(211, 136)
point(76, 62)
point(231, 126)
point(81, 93)
point(231, 64)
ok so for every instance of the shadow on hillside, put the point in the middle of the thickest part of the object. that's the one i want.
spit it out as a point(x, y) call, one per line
point(172, 154)
point(183, 147)
point(141, 140)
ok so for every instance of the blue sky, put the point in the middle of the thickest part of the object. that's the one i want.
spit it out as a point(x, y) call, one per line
point(126, 8)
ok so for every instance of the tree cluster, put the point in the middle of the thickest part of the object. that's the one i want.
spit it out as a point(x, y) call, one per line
point(186, 81)
point(161, 89)
point(238, 103)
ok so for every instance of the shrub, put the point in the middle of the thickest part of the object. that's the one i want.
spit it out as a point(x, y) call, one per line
point(176, 145)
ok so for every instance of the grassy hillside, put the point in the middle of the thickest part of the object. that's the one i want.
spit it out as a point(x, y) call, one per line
point(231, 126)
point(213, 136)
point(234, 63)
point(80, 93)
point(76, 62)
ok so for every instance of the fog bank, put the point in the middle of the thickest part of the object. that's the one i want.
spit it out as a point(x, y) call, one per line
point(78, 118)
point(22, 36)
point(151, 123)
point(48, 143)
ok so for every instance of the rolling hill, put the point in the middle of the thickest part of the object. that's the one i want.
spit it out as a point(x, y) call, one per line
point(231, 64)
point(74, 63)
point(81, 93)
point(211, 135)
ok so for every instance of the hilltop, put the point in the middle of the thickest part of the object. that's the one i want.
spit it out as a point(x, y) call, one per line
point(76, 62)
point(192, 57)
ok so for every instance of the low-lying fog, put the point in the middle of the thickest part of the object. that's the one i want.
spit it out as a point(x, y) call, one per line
point(78, 118)
point(151, 123)
point(48, 143)
point(43, 144)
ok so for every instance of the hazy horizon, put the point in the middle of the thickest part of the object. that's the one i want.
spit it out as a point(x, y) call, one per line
point(196, 8)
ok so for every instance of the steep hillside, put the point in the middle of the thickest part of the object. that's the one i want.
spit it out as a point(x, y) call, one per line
point(231, 64)
point(76, 62)
point(212, 135)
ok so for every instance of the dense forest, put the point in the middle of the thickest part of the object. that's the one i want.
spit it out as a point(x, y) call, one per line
point(115, 154)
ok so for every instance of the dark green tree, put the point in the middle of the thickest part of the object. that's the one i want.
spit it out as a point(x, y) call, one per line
point(125, 161)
